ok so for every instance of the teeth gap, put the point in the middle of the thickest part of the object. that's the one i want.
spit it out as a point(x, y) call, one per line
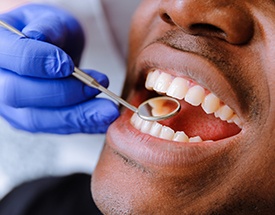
point(180, 88)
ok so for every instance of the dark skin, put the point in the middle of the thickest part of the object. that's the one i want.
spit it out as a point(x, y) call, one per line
point(228, 48)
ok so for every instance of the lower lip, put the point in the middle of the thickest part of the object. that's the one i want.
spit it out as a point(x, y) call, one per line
point(147, 150)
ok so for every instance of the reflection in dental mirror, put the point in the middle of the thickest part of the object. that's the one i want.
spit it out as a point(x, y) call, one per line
point(158, 108)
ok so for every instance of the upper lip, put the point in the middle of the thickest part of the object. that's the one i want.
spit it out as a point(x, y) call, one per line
point(191, 66)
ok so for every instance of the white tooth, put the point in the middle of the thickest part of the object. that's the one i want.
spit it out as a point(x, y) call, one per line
point(151, 79)
point(237, 121)
point(209, 141)
point(137, 121)
point(231, 119)
point(211, 103)
point(146, 126)
point(225, 113)
point(133, 118)
point(156, 129)
point(180, 136)
point(195, 139)
point(178, 88)
point(166, 133)
point(149, 82)
point(163, 82)
point(195, 95)
point(216, 114)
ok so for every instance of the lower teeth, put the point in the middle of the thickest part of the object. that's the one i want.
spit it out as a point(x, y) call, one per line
point(157, 130)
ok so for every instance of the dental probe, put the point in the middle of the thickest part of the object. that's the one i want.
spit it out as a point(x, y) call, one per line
point(149, 110)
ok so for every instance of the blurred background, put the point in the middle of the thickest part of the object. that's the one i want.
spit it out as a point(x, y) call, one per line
point(25, 156)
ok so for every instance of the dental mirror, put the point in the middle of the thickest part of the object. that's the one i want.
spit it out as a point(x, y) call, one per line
point(154, 109)
point(158, 108)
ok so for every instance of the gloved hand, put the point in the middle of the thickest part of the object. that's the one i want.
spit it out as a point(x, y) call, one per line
point(37, 91)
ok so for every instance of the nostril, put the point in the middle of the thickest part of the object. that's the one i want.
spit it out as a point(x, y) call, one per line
point(166, 18)
point(205, 27)
point(207, 30)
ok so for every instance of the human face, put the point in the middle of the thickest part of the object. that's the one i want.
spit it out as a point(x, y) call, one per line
point(225, 48)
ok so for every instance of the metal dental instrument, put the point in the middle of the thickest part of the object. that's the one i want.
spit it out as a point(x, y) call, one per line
point(154, 109)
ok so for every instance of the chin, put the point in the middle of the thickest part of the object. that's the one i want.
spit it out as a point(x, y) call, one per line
point(208, 159)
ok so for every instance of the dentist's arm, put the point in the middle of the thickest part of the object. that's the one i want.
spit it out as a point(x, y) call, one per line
point(37, 91)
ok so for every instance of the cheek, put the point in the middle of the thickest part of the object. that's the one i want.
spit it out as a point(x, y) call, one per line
point(141, 25)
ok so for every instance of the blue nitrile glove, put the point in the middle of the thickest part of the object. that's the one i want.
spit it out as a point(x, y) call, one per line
point(37, 91)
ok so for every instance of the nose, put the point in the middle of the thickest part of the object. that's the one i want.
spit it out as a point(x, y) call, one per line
point(224, 19)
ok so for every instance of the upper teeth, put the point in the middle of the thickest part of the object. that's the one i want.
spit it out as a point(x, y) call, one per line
point(193, 94)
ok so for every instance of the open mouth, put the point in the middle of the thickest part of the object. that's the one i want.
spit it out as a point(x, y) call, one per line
point(203, 116)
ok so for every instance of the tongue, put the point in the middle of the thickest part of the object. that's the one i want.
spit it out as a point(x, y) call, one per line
point(195, 122)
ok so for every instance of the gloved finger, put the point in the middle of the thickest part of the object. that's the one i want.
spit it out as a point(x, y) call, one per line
point(33, 58)
point(49, 24)
point(18, 91)
point(68, 37)
point(93, 116)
